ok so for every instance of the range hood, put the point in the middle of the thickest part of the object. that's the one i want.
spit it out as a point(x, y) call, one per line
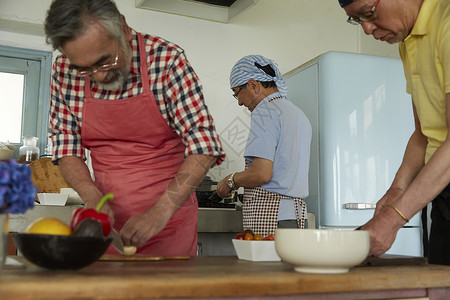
point(213, 10)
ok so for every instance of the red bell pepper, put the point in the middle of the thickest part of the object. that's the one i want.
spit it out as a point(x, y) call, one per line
point(83, 213)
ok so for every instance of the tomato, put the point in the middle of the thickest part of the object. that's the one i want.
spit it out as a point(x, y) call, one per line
point(248, 236)
point(257, 237)
point(270, 237)
point(247, 231)
point(239, 236)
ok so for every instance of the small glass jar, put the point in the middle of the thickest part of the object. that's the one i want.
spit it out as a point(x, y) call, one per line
point(29, 151)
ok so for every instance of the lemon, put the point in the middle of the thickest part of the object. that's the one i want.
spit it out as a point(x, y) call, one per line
point(51, 226)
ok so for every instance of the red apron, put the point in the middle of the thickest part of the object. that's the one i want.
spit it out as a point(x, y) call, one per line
point(135, 155)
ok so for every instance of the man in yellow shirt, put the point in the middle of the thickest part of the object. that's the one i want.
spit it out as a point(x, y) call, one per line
point(422, 27)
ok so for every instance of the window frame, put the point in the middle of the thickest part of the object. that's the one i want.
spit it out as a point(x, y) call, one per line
point(36, 66)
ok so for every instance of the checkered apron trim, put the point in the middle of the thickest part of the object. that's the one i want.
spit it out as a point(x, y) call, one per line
point(260, 210)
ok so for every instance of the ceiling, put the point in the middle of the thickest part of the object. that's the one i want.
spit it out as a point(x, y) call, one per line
point(226, 3)
point(213, 10)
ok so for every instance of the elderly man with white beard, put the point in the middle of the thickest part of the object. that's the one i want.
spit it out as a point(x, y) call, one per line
point(135, 102)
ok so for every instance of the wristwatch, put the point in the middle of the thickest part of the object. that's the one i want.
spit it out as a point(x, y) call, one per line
point(230, 182)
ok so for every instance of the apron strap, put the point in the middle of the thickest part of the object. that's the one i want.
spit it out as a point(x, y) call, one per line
point(300, 220)
point(87, 87)
point(143, 67)
point(424, 218)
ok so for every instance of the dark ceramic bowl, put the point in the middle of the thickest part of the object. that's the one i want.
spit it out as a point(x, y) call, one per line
point(61, 252)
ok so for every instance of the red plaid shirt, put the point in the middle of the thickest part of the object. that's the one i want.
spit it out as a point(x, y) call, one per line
point(174, 84)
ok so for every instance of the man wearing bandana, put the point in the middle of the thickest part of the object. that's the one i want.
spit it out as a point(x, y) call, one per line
point(277, 152)
point(422, 29)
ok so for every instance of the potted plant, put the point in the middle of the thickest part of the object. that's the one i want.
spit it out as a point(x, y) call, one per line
point(17, 195)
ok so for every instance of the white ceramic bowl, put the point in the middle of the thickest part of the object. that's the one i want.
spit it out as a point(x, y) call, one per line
point(322, 251)
point(256, 250)
point(7, 153)
point(56, 199)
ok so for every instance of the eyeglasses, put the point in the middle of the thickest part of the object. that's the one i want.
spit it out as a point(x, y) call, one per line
point(369, 16)
point(235, 95)
point(102, 68)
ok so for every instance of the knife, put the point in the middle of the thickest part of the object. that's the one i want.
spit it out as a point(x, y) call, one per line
point(117, 242)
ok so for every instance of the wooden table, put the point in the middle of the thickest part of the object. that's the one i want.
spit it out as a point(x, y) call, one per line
point(215, 277)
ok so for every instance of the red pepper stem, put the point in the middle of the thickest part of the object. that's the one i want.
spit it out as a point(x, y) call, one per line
point(105, 198)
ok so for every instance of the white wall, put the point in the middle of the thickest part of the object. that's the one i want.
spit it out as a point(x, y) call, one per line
point(289, 31)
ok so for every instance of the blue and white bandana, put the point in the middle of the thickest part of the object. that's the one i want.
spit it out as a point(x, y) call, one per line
point(252, 67)
point(344, 3)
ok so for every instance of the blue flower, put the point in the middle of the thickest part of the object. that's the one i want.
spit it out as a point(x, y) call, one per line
point(17, 192)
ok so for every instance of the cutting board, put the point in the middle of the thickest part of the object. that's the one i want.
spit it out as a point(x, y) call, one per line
point(118, 257)
point(394, 260)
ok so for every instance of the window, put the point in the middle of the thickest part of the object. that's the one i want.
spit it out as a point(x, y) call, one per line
point(24, 95)
point(11, 98)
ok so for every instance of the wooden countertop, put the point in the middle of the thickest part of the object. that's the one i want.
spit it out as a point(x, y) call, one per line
point(211, 277)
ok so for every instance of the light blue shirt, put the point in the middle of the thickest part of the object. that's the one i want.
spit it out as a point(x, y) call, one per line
point(281, 133)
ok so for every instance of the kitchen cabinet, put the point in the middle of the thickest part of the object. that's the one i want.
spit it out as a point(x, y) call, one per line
point(19, 222)
point(216, 226)
point(209, 219)
point(217, 277)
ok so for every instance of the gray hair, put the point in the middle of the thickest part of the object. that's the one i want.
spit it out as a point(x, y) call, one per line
point(68, 19)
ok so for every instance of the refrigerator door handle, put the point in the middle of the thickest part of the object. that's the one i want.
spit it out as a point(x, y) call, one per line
point(359, 206)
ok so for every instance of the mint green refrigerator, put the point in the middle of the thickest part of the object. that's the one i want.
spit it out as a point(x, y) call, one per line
point(361, 118)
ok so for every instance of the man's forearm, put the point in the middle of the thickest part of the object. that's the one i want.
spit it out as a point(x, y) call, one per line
point(77, 175)
point(413, 161)
point(431, 180)
point(414, 156)
point(190, 175)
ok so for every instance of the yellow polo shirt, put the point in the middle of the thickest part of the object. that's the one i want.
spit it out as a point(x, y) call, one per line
point(426, 61)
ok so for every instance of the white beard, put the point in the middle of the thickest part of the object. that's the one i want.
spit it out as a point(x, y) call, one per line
point(116, 84)
point(122, 74)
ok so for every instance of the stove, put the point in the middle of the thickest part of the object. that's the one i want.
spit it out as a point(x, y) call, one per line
point(209, 199)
